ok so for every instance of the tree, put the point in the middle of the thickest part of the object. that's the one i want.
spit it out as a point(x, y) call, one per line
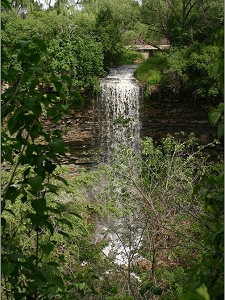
point(107, 28)
point(183, 22)
point(70, 48)
point(206, 278)
point(113, 20)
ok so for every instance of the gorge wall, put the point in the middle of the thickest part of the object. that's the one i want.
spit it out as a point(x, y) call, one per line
point(82, 131)
point(161, 117)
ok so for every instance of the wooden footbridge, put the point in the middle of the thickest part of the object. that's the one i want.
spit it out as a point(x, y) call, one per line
point(145, 48)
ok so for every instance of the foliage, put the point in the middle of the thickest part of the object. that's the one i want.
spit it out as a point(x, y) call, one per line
point(207, 276)
point(27, 144)
point(107, 28)
point(70, 49)
point(194, 67)
point(158, 220)
point(187, 70)
point(79, 260)
point(113, 20)
point(151, 72)
point(164, 206)
point(183, 22)
point(130, 56)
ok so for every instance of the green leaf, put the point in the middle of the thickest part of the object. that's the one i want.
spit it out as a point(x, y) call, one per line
point(191, 296)
point(58, 146)
point(38, 70)
point(50, 227)
point(35, 131)
point(52, 188)
point(63, 180)
point(17, 255)
point(78, 100)
point(56, 280)
point(49, 166)
point(214, 116)
point(9, 158)
point(202, 291)
point(65, 107)
point(219, 197)
point(47, 248)
point(75, 214)
point(24, 43)
point(36, 183)
point(196, 189)
point(35, 58)
point(6, 4)
point(39, 205)
point(37, 220)
point(7, 268)
point(51, 295)
point(12, 193)
point(212, 180)
point(40, 43)
point(221, 107)
point(64, 234)
point(66, 222)
point(3, 221)
point(220, 130)
point(67, 78)
point(30, 102)
point(58, 86)
point(50, 112)
point(80, 285)
point(54, 210)
point(203, 192)
point(53, 263)
point(157, 291)
point(57, 117)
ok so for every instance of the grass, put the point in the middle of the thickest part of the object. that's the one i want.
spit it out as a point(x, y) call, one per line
point(130, 56)
point(150, 72)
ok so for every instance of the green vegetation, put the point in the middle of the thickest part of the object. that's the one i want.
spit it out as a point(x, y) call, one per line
point(130, 56)
point(71, 260)
point(193, 29)
point(164, 205)
point(151, 72)
point(183, 22)
point(70, 49)
point(187, 71)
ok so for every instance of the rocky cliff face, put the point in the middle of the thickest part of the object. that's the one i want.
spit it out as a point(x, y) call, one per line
point(82, 127)
point(161, 117)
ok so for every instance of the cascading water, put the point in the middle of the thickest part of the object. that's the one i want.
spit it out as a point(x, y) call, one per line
point(120, 126)
point(119, 107)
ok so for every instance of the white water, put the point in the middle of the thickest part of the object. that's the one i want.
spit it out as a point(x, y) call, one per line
point(120, 125)
point(119, 106)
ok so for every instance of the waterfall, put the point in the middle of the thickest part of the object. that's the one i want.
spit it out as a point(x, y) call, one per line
point(119, 110)
point(119, 125)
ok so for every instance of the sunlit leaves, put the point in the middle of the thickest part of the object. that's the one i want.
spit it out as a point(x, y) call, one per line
point(32, 162)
